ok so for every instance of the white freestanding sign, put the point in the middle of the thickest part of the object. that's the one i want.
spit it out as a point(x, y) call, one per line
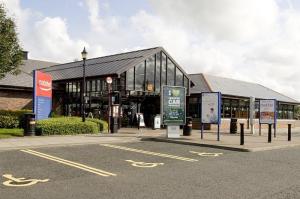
point(210, 108)
point(267, 111)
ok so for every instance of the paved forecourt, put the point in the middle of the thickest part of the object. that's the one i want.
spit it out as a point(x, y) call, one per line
point(148, 170)
point(70, 171)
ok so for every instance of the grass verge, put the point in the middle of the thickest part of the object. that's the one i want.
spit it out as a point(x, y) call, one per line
point(7, 133)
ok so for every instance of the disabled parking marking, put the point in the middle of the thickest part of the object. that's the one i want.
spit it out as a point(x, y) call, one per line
point(144, 164)
point(204, 154)
point(70, 163)
point(20, 182)
point(150, 153)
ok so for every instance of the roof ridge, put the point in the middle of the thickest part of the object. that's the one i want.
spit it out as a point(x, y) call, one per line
point(277, 92)
point(106, 56)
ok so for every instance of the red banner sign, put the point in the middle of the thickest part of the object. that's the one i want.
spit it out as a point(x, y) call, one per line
point(43, 84)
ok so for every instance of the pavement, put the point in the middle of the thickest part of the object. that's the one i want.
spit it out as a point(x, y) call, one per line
point(253, 143)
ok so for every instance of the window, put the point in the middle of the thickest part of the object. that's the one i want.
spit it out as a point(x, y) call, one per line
point(163, 69)
point(170, 73)
point(98, 85)
point(157, 75)
point(226, 108)
point(139, 76)
point(179, 77)
point(93, 85)
point(186, 84)
point(130, 79)
point(150, 66)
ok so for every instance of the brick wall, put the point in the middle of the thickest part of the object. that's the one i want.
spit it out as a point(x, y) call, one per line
point(14, 100)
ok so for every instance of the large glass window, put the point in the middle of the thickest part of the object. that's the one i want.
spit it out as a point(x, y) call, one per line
point(150, 66)
point(130, 79)
point(157, 71)
point(179, 77)
point(164, 69)
point(226, 108)
point(170, 73)
point(186, 84)
point(139, 77)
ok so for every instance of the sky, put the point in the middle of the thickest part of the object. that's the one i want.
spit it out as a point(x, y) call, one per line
point(251, 40)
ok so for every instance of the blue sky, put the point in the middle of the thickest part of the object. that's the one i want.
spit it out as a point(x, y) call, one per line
point(251, 40)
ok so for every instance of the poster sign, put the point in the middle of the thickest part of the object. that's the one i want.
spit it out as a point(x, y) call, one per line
point(140, 116)
point(267, 110)
point(211, 108)
point(42, 84)
point(173, 105)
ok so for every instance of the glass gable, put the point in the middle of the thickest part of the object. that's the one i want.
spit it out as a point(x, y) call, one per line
point(157, 72)
point(170, 73)
point(130, 79)
point(179, 77)
point(150, 69)
point(140, 77)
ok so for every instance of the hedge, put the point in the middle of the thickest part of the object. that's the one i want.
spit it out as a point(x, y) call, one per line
point(12, 119)
point(68, 126)
point(102, 125)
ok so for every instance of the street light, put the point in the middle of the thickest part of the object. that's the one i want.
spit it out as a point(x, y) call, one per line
point(83, 55)
point(109, 81)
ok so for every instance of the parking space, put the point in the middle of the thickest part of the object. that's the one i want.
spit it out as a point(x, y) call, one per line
point(137, 168)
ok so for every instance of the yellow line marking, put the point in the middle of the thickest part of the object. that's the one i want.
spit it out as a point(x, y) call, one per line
point(20, 182)
point(70, 163)
point(207, 154)
point(144, 164)
point(150, 153)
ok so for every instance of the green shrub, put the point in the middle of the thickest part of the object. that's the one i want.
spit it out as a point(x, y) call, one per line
point(102, 125)
point(12, 119)
point(66, 126)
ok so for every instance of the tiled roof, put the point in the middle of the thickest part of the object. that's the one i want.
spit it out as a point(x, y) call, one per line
point(227, 86)
point(107, 65)
point(24, 79)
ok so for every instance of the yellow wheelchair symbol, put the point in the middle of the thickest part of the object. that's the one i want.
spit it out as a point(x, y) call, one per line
point(204, 154)
point(20, 182)
point(144, 164)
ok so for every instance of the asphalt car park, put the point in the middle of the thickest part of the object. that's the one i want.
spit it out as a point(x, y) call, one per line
point(144, 170)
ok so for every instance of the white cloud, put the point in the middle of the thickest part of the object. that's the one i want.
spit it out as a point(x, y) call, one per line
point(250, 40)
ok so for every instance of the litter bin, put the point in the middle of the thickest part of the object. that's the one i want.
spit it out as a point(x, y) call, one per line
point(187, 129)
point(29, 126)
point(233, 125)
point(114, 125)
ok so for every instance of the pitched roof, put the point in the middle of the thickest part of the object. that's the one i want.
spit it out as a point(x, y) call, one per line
point(227, 86)
point(107, 65)
point(24, 79)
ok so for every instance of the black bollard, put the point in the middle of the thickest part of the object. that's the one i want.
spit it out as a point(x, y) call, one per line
point(270, 133)
point(242, 134)
point(289, 132)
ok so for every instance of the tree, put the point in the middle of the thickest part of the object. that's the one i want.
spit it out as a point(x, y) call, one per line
point(11, 54)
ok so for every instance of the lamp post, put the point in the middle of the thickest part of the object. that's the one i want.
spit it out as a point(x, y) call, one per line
point(83, 55)
point(109, 81)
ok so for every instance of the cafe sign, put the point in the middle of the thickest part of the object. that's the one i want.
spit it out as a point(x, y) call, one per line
point(173, 100)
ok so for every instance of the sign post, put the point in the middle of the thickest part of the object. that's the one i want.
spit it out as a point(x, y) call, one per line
point(173, 101)
point(42, 100)
point(211, 110)
point(267, 111)
point(252, 114)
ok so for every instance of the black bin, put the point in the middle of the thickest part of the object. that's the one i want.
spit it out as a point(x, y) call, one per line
point(187, 128)
point(114, 125)
point(233, 125)
point(29, 125)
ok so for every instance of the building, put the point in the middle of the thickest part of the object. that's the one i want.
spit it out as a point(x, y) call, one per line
point(137, 79)
point(235, 100)
point(16, 91)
